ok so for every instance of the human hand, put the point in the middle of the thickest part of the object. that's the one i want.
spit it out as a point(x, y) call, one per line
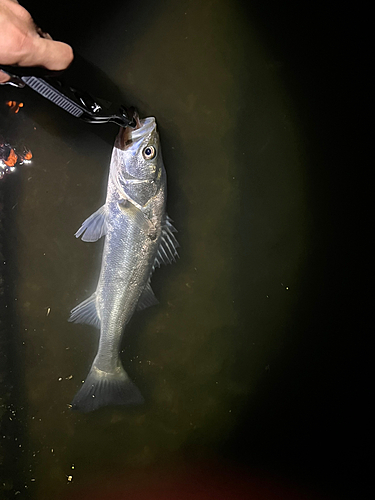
point(22, 43)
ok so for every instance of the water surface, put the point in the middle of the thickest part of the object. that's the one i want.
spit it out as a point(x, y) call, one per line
point(238, 197)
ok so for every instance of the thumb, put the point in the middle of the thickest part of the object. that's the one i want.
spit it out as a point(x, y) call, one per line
point(46, 52)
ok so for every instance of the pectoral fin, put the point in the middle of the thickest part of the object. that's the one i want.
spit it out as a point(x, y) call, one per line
point(137, 216)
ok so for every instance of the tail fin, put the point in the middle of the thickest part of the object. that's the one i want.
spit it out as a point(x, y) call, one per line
point(101, 389)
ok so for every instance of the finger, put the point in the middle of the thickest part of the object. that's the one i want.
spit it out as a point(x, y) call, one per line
point(48, 53)
point(43, 34)
point(4, 77)
point(19, 12)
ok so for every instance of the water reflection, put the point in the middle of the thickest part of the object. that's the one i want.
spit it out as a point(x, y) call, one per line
point(236, 194)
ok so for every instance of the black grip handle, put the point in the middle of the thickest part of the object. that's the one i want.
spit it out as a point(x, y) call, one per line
point(78, 103)
point(37, 71)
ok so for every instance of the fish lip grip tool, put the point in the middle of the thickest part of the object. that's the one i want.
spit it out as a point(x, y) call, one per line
point(77, 102)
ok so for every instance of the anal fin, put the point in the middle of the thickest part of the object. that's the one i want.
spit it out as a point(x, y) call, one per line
point(86, 312)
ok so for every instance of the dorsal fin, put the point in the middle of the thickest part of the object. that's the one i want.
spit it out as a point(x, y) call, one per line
point(147, 299)
point(167, 252)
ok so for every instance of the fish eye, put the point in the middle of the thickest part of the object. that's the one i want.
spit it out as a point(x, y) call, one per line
point(149, 152)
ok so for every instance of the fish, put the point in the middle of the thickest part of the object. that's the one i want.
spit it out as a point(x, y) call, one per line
point(139, 237)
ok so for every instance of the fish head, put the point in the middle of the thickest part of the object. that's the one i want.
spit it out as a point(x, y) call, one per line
point(140, 164)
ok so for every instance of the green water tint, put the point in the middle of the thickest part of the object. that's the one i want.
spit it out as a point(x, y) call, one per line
point(236, 195)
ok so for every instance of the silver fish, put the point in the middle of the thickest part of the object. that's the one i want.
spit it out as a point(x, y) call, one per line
point(139, 236)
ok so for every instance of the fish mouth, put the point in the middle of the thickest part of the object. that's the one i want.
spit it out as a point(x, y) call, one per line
point(144, 127)
point(137, 120)
point(124, 138)
point(127, 136)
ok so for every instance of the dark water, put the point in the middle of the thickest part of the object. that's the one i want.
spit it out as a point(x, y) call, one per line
point(241, 364)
